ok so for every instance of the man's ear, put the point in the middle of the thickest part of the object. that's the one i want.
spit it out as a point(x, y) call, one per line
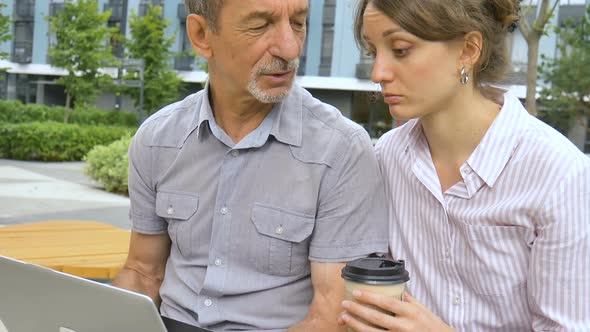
point(198, 32)
point(471, 50)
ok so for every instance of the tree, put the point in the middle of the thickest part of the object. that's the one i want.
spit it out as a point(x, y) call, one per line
point(568, 94)
point(4, 32)
point(149, 42)
point(532, 33)
point(82, 48)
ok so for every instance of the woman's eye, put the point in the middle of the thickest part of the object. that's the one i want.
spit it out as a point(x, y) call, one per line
point(400, 52)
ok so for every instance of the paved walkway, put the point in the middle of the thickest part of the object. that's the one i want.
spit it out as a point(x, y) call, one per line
point(37, 191)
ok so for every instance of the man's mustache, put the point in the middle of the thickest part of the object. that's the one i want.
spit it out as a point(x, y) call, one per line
point(277, 65)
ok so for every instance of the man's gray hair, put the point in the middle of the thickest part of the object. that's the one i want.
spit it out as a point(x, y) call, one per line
point(209, 9)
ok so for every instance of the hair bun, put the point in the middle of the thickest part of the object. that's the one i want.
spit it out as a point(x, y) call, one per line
point(506, 12)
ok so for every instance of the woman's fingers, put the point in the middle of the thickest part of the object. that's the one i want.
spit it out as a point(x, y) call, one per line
point(357, 325)
point(387, 303)
point(362, 313)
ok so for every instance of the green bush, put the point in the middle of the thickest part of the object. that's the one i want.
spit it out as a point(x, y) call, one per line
point(54, 141)
point(108, 165)
point(17, 112)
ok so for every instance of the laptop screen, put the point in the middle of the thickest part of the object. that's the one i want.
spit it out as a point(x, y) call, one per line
point(34, 298)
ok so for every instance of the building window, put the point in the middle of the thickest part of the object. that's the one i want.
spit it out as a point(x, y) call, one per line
point(144, 5)
point(184, 60)
point(22, 51)
point(24, 10)
point(117, 20)
point(329, 18)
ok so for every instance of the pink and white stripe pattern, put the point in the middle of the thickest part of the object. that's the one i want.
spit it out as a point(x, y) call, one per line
point(506, 249)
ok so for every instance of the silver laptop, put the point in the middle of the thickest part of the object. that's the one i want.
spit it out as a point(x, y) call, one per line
point(37, 299)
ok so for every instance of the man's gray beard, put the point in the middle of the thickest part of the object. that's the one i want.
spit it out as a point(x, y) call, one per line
point(274, 65)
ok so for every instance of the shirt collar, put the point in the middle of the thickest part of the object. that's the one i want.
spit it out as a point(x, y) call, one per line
point(490, 157)
point(500, 141)
point(287, 116)
point(288, 125)
point(204, 112)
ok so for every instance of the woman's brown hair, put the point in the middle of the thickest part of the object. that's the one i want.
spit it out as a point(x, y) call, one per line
point(442, 20)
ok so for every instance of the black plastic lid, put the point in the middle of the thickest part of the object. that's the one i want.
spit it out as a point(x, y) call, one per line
point(377, 271)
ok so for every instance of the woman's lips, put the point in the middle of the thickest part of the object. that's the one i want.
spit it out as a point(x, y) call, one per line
point(392, 99)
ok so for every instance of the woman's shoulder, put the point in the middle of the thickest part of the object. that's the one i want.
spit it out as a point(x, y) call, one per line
point(398, 135)
point(543, 145)
point(395, 142)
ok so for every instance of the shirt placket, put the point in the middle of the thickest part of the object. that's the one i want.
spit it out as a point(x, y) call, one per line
point(424, 170)
point(456, 295)
point(219, 250)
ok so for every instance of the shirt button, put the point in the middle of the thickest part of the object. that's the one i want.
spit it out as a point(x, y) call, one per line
point(448, 252)
point(217, 262)
point(279, 230)
point(170, 210)
point(457, 300)
point(223, 210)
point(208, 302)
point(467, 170)
point(235, 153)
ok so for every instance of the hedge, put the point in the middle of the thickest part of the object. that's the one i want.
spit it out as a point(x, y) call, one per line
point(54, 141)
point(108, 165)
point(12, 111)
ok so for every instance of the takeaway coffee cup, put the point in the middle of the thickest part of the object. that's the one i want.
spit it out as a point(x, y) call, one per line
point(377, 275)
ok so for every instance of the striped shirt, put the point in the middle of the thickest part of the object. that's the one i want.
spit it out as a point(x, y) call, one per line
point(508, 247)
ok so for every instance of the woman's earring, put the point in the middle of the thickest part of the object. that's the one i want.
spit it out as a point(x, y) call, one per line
point(464, 76)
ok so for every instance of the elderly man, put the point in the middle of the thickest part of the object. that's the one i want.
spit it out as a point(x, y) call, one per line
point(248, 196)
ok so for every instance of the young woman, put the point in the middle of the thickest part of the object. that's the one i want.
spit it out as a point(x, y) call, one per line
point(489, 206)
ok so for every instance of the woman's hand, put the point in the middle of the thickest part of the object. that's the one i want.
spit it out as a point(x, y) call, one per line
point(410, 315)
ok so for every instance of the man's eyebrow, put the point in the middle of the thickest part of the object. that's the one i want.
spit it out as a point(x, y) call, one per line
point(302, 12)
point(269, 15)
point(258, 15)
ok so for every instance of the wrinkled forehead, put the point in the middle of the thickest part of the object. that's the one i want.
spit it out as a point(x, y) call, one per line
point(276, 8)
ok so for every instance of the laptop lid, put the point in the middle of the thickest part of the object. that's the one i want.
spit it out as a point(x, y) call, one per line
point(37, 299)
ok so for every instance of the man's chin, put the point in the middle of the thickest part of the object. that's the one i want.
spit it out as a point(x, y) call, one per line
point(272, 95)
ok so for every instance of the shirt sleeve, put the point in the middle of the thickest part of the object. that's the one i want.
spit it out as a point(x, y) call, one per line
point(142, 194)
point(351, 220)
point(559, 278)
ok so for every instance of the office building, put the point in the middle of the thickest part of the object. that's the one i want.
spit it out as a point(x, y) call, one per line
point(332, 67)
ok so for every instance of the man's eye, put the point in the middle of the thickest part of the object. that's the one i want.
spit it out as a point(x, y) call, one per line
point(260, 27)
point(298, 25)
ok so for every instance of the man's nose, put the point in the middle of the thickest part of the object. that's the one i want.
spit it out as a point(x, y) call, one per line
point(286, 42)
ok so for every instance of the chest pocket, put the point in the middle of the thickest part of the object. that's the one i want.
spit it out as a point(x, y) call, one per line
point(500, 253)
point(178, 209)
point(284, 238)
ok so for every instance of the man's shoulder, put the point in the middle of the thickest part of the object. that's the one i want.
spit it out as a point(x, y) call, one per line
point(328, 135)
point(316, 113)
point(169, 126)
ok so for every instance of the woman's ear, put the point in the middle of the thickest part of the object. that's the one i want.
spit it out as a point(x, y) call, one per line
point(471, 51)
point(198, 32)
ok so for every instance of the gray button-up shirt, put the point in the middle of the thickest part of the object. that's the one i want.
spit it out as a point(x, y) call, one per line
point(245, 219)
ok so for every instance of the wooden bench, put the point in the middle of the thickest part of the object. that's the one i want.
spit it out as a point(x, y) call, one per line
point(86, 249)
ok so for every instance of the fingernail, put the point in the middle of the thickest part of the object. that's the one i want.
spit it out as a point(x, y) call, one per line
point(346, 304)
point(356, 293)
point(345, 317)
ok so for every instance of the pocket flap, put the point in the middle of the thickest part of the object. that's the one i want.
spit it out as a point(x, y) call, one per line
point(281, 224)
point(176, 206)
